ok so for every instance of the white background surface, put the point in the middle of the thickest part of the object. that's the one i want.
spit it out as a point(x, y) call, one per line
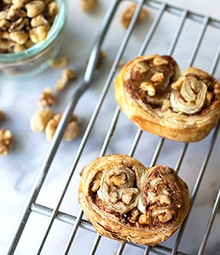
point(19, 100)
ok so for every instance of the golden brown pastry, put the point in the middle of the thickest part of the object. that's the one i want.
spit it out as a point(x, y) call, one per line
point(126, 201)
point(159, 99)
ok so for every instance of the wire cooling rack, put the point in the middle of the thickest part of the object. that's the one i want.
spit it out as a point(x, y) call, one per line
point(168, 30)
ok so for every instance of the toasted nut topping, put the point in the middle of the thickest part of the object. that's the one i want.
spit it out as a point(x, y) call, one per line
point(96, 182)
point(159, 61)
point(116, 188)
point(117, 180)
point(157, 77)
point(134, 215)
point(141, 67)
point(164, 199)
point(149, 88)
point(145, 219)
point(6, 139)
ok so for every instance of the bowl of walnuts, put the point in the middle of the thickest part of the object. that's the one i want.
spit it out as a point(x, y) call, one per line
point(30, 34)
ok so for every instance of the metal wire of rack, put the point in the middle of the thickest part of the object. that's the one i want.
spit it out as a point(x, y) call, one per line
point(188, 30)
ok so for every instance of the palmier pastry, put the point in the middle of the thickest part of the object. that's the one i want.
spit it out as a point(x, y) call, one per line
point(159, 99)
point(126, 201)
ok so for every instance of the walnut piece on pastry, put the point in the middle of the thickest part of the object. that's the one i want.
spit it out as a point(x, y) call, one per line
point(126, 201)
point(159, 99)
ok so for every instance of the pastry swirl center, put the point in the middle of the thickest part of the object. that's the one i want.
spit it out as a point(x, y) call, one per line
point(189, 96)
point(142, 197)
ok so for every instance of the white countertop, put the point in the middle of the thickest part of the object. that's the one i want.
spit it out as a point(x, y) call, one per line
point(18, 170)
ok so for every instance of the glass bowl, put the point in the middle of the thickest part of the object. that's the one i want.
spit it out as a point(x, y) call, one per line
point(37, 58)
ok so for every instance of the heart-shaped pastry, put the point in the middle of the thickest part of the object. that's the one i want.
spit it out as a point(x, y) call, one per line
point(159, 99)
point(126, 201)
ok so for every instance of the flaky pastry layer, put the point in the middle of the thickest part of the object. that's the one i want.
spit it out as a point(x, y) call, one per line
point(126, 201)
point(158, 98)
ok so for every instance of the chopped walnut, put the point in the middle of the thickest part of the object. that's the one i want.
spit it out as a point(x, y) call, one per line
point(19, 37)
point(59, 62)
point(96, 182)
point(117, 180)
point(128, 14)
point(6, 139)
point(39, 20)
point(141, 67)
point(40, 119)
point(145, 219)
point(25, 21)
point(88, 5)
point(149, 88)
point(157, 77)
point(47, 98)
point(158, 60)
point(38, 34)
point(134, 215)
point(67, 76)
point(34, 8)
point(72, 130)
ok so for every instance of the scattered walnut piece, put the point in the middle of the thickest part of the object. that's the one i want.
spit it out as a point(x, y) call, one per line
point(67, 76)
point(59, 62)
point(6, 139)
point(72, 130)
point(128, 14)
point(47, 98)
point(40, 119)
point(88, 5)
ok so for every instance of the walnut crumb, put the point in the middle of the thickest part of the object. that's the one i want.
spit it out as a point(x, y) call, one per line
point(47, 98)
point(67, 76)
point(6, 139)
